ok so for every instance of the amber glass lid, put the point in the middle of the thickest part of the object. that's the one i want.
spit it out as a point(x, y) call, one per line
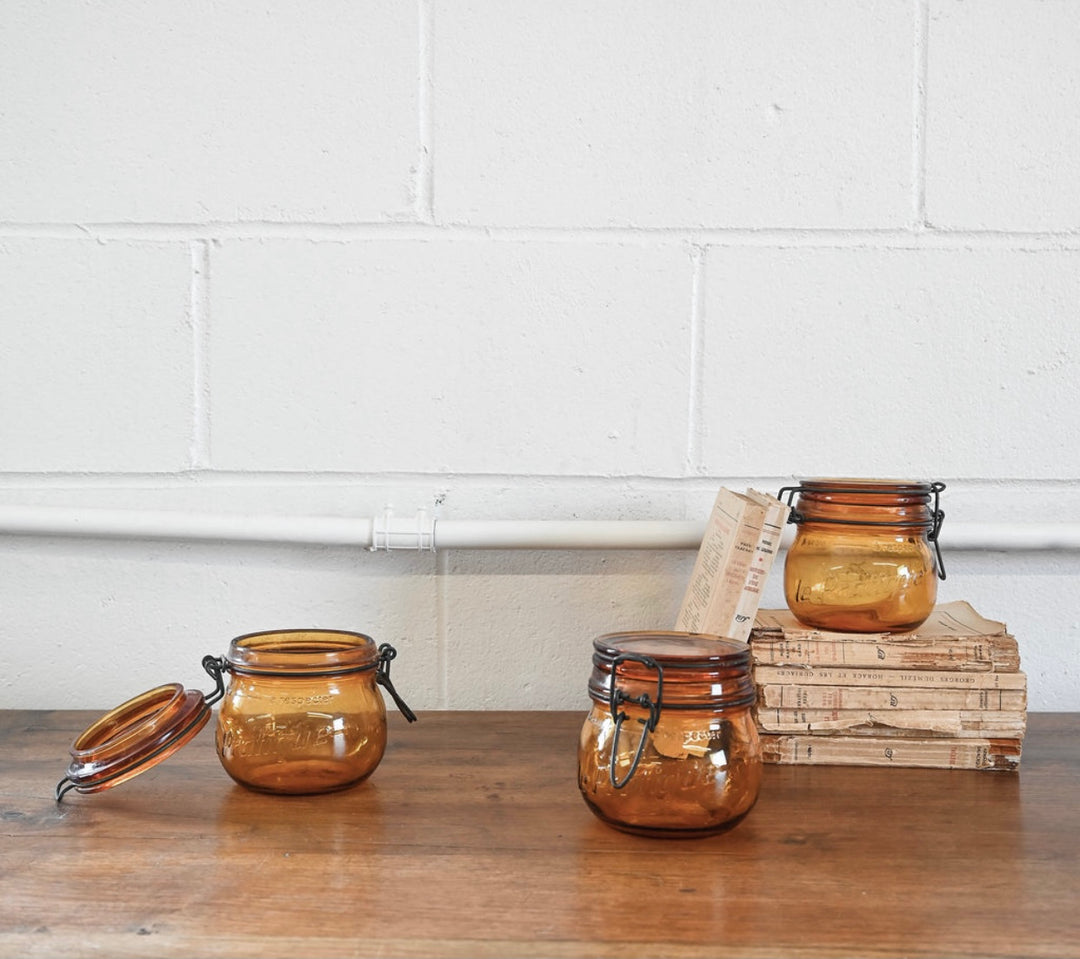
point(695, 669)
point(862, 491)
point(862, 482)
point(133, 737)
point(689, 650)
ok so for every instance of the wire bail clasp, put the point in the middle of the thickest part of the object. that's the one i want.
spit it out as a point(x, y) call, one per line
point(216, 667)
point(382, 677)
point(617, 697)
point(937, 514)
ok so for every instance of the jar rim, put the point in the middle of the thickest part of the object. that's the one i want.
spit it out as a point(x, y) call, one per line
point(673, 648)
point(863, 484)
point(305, 651)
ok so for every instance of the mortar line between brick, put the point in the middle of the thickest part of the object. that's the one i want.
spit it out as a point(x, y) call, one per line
point(694, 424)
point(919, 96)
point(199, 455)
point(425, 164)
point(793, 238)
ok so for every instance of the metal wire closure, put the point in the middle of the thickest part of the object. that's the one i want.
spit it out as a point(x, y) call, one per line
point(382, 677)
point(932, 525)
point(216, 667)
point(617, 697)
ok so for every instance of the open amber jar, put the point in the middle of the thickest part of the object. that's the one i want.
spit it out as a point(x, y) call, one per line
point(669, 747)
point(299, 714)
point(865, 557)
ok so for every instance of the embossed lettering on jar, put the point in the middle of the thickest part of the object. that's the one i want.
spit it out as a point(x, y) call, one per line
point(865, 557)
point(669, 747)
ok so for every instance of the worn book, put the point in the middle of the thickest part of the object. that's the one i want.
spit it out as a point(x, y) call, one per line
point(718, 579)
point(843, 676)
point(954, 637)
point(793, 694)
point(937, 753)
point(961, 723)
point(761, 563)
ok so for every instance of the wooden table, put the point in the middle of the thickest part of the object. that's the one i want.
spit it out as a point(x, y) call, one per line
point(471, 840)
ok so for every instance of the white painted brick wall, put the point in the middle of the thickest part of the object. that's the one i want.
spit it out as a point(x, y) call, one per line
point(562, 260)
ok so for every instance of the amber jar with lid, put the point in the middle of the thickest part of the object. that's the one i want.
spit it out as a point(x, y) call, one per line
point(299, 713)
point(669, 747)
point(865, 557)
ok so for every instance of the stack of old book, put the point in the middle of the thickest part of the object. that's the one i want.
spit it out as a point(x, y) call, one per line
point(949, 694)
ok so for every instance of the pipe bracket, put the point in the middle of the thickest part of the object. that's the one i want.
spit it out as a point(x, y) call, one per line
point(417, 534)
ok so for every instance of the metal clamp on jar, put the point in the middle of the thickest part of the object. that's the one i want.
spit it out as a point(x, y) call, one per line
point(299, 714)
point(866, 556)
point(669, 748)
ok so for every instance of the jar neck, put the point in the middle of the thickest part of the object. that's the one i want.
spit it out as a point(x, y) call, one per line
point(306, 654)
point(734, 692)
point(301, 652)
point(873, 503)
point(680, 671)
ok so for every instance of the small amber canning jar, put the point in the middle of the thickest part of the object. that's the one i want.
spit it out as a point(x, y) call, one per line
point(300, 712)
point(865, 557)
point(669, 747)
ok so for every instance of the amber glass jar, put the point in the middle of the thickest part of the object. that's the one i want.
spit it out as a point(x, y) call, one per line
point(670, 748)
point(865, 557)
point(301, 713)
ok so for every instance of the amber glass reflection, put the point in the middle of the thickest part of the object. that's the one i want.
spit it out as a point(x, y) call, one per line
point(301, 713)
point(861, 560)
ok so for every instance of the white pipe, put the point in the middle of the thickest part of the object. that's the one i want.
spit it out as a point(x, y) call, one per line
point(382, 532)
point(163, 524)
point(568, 534)
point(425, 533)
point(1010, 536)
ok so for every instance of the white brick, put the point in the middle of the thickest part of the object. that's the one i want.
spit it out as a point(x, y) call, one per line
point(888, 362)
point(653, 113)
point(1003, 124)
point(248, 110)
point(96, 369)
point(450, 356)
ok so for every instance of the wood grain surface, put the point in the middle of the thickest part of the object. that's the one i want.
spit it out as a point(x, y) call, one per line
point(471, 839)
